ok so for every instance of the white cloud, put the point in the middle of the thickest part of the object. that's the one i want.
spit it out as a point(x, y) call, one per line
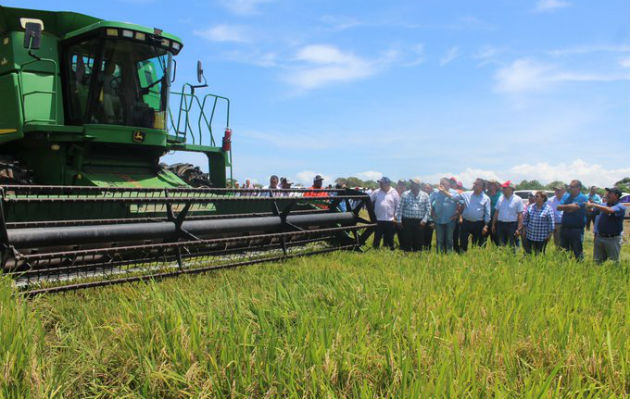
point(339, 23)
point(550, 5)
point(625, 62)
point(306, 178)
point(486, 55)
point(225, 33)
point(587, 49)
point(325, 64)
point(525, 75)
point(243, 7)
point(369, 175)
point(450, 55)
point(417, 54)
point(589, 174)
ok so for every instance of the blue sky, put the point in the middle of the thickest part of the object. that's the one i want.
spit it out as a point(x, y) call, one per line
point(505, 89)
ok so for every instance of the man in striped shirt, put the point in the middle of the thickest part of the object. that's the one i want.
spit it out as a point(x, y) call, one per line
point(412, 215)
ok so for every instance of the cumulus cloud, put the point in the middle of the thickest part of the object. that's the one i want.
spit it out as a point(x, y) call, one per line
point(450, 55)
point(369, 175)
point(529, 75)
point(321, 65)
point(225, 33)
point(550, 5)
point(306, 178)
point(589, 174)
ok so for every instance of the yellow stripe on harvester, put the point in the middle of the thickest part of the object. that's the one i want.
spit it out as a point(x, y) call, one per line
point(3, 131)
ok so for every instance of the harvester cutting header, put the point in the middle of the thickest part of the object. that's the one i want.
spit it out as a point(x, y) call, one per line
point(84, 120)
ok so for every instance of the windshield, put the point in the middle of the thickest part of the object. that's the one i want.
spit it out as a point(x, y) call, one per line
point(120, 82)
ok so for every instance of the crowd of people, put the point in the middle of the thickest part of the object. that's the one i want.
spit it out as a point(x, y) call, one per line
point(414, 211)
point(492, 211)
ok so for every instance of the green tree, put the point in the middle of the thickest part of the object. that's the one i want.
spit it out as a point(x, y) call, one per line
point(553, 184)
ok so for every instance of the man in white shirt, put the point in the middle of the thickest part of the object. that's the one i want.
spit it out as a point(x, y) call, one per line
point(508, 218)
point(386, 201)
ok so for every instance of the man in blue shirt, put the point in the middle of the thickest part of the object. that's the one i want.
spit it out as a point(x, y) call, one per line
point(593, 197)
point(573, 207)
point(608, 226)
point(475, 215)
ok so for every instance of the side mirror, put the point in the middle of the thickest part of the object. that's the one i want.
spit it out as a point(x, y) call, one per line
point(32, 35)
point(199, 71)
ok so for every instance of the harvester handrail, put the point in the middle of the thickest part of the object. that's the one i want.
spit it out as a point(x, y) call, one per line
point(188, 99)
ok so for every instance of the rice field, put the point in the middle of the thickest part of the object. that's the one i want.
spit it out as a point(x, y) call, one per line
point(377, 324)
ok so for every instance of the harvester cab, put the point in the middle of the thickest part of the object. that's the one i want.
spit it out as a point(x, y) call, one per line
point(85, 116)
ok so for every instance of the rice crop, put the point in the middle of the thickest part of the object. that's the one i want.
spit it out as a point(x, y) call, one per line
point(374, 324)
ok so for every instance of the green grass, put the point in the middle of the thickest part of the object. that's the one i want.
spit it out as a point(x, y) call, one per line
point(378, 324)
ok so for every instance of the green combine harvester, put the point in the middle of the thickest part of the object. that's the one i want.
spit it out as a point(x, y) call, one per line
point(84, 200)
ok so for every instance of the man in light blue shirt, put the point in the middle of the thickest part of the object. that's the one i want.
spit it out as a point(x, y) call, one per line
point(476, 215)
point(444, 213)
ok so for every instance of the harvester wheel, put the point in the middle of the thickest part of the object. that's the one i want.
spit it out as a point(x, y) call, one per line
point(191, 174)
point(13, 173)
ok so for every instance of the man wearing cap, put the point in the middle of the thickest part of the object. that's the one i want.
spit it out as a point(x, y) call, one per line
point(593, 197)
point(412, 216)
point(444, 209)
point(285, 184)
point(554, 202)
point(508, 218)
point(317, 191)
point(608, 225)
point(573, 209)
point(386, 201)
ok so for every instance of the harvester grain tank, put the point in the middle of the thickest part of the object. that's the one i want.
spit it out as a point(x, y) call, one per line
point(87, 111)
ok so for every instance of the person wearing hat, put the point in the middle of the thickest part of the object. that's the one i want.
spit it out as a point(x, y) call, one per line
point(554, 202)
point(285, 184)
point(609, 226)
point(412, 216)
point(444, 209)
point(573, 209)
point(385, 200)
point(317, 191)
point(508, 218)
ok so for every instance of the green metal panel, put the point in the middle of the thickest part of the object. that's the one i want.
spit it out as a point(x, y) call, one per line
point(40, 93)
point(125, 134)
point(64, 24)
point(10, 112)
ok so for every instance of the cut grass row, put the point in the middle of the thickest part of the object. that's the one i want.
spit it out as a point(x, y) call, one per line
point(379, 324)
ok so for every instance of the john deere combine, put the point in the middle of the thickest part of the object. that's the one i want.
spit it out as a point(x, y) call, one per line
point(84, 201)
